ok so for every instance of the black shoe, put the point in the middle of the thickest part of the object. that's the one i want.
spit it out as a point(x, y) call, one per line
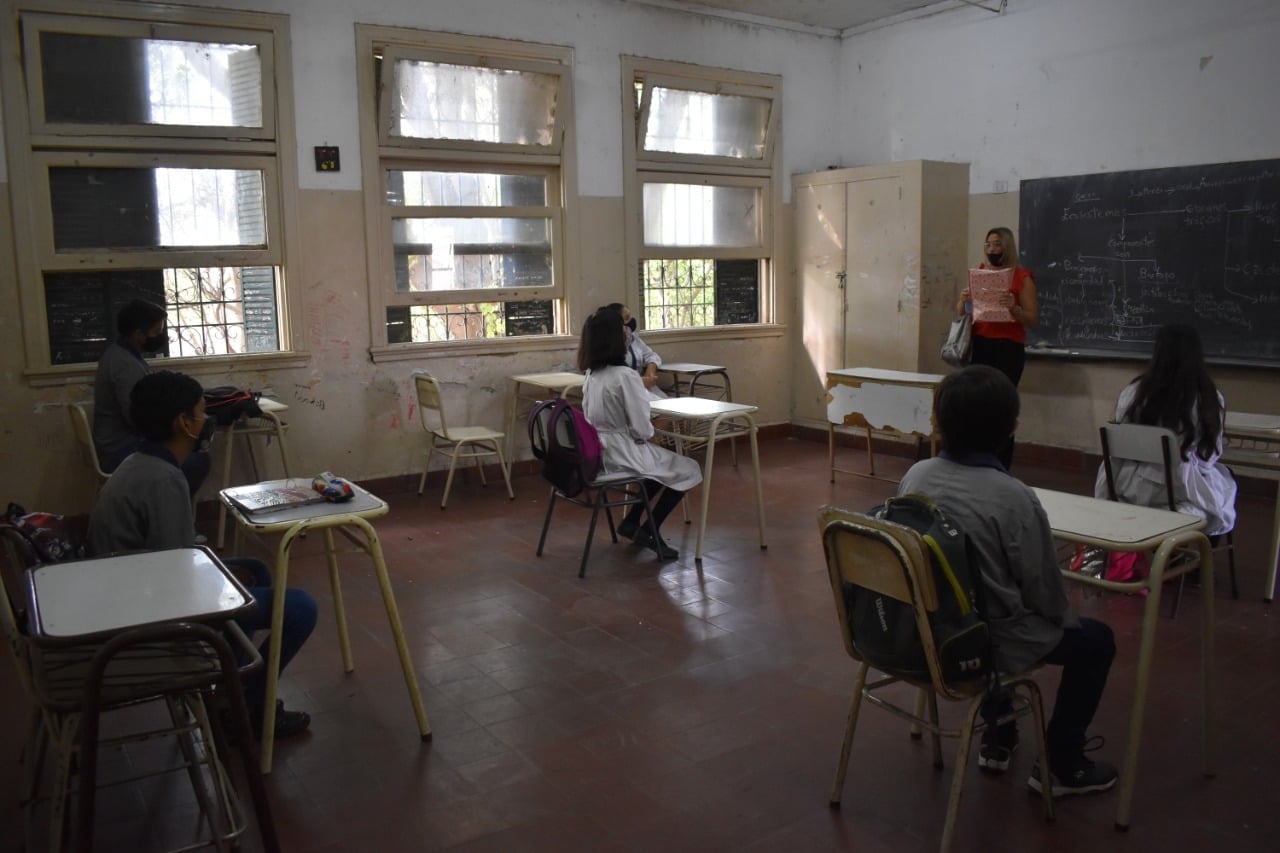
point(644, 538)
point(627, 528)
point(288, 723)
point(999, 743)
point(1081, 776)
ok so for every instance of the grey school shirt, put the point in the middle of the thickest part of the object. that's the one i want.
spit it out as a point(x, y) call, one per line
point(1025, 597)
point(119, 369)
point(144, 505)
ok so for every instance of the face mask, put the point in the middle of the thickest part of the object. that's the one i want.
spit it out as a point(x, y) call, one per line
point(995, 260)
point(631, 324)
point(155, 343)
point(206, 434)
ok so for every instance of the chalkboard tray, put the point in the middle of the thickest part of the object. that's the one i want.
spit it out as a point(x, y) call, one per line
point(1116, 255)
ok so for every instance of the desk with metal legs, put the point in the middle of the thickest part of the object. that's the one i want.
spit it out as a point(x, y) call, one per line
point(892, 402)
point(1253, 449)
point(328, 517)
point(1180, 547)
point(530, 387)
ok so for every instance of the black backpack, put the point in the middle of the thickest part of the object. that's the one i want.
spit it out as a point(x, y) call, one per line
point(227, 403)
point(567, 444)
point(884, 629)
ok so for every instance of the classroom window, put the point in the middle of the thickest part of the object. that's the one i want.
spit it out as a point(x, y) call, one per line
point(153, 169)
point(702, 160)
point(465, 141)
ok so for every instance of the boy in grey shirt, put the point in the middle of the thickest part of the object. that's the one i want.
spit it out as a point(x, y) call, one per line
point(976, 410)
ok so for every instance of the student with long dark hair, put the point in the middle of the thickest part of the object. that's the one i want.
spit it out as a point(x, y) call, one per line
point(1177, 392)
point(616, 403)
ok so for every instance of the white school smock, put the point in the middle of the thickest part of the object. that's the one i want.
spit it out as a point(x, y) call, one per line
point(614, 400)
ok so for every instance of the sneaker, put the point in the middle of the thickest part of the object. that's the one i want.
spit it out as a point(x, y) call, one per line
point(999, 743)
point(644, 538)
point(201, 539)
point(627, 528)
point(288, 723)
point(1081, 777)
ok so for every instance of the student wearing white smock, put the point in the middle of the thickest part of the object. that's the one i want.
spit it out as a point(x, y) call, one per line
point(1169, 394)
point(615, 402)
point(640, 356)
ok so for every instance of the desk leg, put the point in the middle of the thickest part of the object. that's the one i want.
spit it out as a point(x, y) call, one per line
point(1146, 649)
point(397, 629)
point(831, 451)
point(755, 466)
point(1269, 592)
point(279, 582)
point(871, 457)
point(339, 610)
point(1207, 631)
point(706, 488)
point(230, 433)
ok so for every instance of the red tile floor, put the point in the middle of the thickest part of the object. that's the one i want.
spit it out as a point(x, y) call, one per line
point(675, 707)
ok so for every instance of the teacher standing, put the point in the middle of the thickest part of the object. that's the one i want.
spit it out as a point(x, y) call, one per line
point(1004, 345)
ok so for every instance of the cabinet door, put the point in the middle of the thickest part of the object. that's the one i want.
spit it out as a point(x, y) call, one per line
point(820, 261)
point(882, 298)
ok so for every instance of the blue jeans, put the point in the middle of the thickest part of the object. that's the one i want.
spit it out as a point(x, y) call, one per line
point(299, 621)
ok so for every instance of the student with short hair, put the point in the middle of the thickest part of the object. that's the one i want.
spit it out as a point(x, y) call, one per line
point(140, 328)
point(976, 410)
point(144, 506)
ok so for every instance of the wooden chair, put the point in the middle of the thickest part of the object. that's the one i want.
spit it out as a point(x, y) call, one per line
point(466, 442)
point(892, 560)
point(605, 491)
point(82, 428)
point(1156, 446)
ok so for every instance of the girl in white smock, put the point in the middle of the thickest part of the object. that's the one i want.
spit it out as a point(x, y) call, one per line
point(614, 400)
point(1172, 394)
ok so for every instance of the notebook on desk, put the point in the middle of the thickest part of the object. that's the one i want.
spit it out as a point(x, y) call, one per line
point(272, 497)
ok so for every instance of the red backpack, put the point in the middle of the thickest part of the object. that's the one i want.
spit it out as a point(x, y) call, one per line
point(567, 444)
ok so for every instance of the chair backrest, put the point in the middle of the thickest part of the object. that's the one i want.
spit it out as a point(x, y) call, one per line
point(1139, 443)
point(891, 560)
point(430, 400)
point(82, 428)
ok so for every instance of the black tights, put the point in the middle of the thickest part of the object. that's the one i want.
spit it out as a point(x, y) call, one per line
point(661, 508)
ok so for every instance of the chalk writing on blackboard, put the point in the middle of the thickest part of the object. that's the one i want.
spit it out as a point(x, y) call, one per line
point(1117, 255)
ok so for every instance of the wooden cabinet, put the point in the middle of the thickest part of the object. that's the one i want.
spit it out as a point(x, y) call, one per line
point(880, 256)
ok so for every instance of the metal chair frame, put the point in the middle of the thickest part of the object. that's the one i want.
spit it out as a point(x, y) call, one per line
point(467, 442)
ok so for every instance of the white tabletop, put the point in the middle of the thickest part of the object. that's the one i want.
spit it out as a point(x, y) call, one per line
point(109, 594)
point(1249, 425)
point(1110, 524)
point(267, 404)
point(699, 407)
point(555, 379)
point(877, 374)
point(363, 504)
point(690, 367)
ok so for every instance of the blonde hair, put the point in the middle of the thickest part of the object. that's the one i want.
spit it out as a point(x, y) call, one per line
point(1010, 245)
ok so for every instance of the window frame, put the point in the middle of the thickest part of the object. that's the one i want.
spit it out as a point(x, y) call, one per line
point(380, 152)
point(642, 166)
point(33, 145)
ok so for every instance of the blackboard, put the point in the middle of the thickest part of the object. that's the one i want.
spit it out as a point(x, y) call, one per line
point(1117, 255)
point(737, 292)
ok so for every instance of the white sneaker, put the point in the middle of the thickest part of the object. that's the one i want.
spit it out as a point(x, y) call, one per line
point(201, 539)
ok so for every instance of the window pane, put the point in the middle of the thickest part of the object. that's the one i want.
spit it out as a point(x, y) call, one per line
point(122, 80)
point(138, 208)
point(697, 292)
point(464, 189)
point(212, 311)
point(462, 254)
point(462, 322)
point(683, 122)
point(432, 100)
point(700, 215)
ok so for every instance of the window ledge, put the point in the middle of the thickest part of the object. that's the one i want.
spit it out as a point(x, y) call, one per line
point(71, 374)
point(483, 346)
point(719, 333)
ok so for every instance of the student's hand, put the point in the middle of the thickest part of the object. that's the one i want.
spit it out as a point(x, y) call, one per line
point(649, 379)
point(964, 297)
point(1007, 300)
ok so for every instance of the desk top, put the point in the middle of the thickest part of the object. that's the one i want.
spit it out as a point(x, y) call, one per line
point(691, 367)
point(876, 374)
point(364, 504)
point(101, 596)
point(1248, 425)
point(267, 404)
point(699, 407)
point(1110, 524)
point(555, 380)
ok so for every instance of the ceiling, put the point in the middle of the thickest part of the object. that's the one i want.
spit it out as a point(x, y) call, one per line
point(835, 16)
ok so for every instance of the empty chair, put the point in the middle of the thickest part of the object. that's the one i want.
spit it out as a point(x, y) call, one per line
point(466, 442)
point(892, 560)
point(602, 491)
point(1158, 447)
point(82, 429)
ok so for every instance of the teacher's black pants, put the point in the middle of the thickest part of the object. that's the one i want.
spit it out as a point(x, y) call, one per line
point(1008, 357)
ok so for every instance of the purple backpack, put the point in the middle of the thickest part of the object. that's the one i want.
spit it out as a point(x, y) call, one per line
point(567, 444)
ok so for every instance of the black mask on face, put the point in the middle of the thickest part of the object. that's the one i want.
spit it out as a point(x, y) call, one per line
point(205, 436)
point(155, 343)
point(995, 260)
point(631, 324)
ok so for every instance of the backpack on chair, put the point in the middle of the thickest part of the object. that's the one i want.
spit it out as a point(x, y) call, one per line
point(567, 444)
point(41, 537)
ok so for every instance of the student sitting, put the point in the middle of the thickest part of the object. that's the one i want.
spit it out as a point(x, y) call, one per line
point(976, 410)
point(640, 356)
point(1177, 392)
point(145, 506)
point(615, 402)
